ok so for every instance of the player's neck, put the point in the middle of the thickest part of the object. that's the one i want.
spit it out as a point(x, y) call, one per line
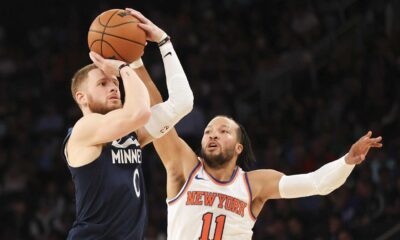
point(223, 173)
point(86, 111)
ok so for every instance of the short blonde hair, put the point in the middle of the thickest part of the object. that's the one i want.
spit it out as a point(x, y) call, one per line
point(79, 77)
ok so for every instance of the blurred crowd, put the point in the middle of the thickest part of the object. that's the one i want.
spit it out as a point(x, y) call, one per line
point(306, 78)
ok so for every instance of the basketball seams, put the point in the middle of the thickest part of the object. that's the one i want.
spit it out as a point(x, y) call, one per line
point(120, 24)
point(94, 43)
point(111, 46)
point(112, 35)
point(101, 24)
point(112, 26)
point(104, 30)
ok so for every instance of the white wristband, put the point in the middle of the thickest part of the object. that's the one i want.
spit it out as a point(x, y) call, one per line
point(136, 64)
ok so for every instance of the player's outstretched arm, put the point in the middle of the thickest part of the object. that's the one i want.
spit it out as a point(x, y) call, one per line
point(270, 184)
point(177, 157)
point(180, 96)
point(94, 129)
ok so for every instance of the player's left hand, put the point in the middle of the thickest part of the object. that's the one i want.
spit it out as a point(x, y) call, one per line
point(109, 66)
point(359, 149)
point(153, 33)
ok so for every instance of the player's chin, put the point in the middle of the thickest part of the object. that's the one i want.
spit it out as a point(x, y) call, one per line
point(213, 152)
point(114, 104)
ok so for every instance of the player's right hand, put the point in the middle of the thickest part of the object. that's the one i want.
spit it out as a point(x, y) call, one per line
point(109, 66)
point(359, 149)
point(153, 33)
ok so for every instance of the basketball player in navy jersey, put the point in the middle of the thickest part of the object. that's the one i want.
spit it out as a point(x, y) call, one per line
point(211, 197)
point(103, 149)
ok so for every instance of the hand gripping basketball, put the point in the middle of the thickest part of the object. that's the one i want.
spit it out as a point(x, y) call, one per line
point(109, 66)
point(153, 32)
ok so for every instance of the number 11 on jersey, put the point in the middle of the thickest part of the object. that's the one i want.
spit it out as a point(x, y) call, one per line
point(219, 227)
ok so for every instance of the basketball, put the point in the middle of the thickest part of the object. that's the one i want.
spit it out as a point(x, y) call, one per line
point(114, 34)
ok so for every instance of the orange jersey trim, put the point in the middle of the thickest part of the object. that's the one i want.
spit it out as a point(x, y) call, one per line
point(221, 183)
point(186, 186)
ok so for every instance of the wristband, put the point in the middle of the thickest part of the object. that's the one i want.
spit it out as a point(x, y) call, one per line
point(164, 41)
point(121, 67)
point(136, 64)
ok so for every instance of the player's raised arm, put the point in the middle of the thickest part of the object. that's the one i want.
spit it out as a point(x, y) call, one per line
point(177, 157)
point(180, 97)
point(270, 184)
point(96, 128)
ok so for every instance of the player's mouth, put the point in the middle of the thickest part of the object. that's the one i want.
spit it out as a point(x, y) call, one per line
point(113, 97)
point(212, 145)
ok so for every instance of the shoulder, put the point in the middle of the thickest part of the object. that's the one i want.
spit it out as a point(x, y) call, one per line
point(77, 149)
point(79, 131)
point(83, 124)
point(264, 182)
point(263, 174)
point(87, 119)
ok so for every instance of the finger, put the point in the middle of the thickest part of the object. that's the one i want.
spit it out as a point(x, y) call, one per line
point(377, 145)
point(138, 15)
point(145, 27)
point(369, 134)
point(366, 136)
point(374, 140)
point(378, 139)
point(94, 58)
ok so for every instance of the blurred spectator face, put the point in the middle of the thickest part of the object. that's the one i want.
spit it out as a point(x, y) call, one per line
point(344, 235)
point(334, 224)
point(363, 189)
point(295, 228)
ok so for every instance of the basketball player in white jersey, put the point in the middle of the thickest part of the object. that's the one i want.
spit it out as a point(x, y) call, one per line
point(211, 197)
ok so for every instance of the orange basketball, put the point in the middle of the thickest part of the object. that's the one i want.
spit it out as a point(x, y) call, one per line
point(115, 34)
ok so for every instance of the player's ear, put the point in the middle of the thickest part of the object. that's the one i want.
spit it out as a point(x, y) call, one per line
point(239, 148)
point(81, 98)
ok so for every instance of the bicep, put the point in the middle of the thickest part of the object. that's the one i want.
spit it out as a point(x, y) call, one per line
point(265, 184)
point(175, 153)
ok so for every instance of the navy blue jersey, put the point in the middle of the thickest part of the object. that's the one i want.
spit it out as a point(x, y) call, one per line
point(110, 193)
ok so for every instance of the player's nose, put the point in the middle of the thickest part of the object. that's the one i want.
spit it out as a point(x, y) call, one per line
point(213, 136)
point(114, 88)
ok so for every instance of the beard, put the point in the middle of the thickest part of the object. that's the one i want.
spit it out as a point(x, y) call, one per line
point(217, 161)
point(97, 107)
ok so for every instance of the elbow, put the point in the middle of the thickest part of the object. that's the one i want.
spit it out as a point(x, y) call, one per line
point(181, 107)
point(145, 115)
point(325, 190)
point(186, 104)
point(141, 117)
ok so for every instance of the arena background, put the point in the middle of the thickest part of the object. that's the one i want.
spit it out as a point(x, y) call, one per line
point(306, 78)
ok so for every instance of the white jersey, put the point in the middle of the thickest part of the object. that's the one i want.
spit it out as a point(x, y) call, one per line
point(206, 208)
